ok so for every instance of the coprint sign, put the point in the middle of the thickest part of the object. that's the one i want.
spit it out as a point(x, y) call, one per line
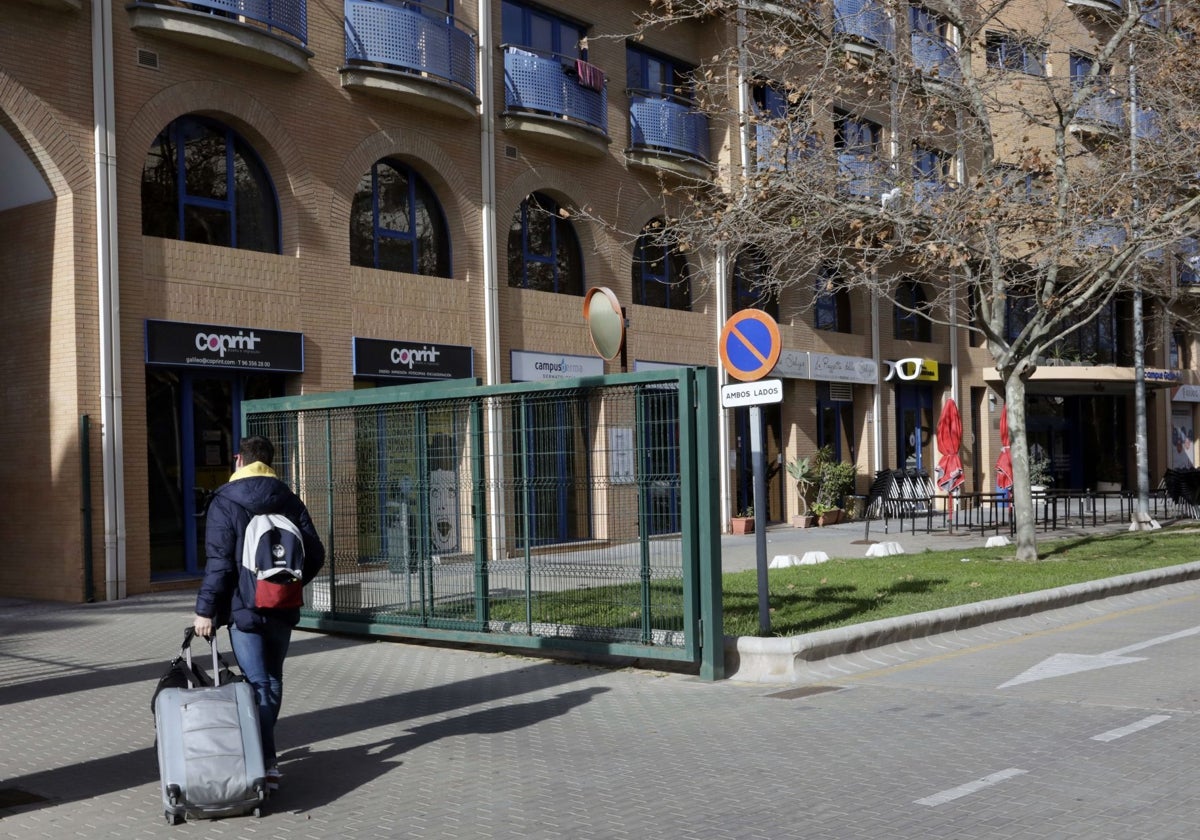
point(180, 344)
point(411, 361)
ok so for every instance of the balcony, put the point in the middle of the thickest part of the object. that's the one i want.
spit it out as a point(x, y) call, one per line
point(1102, 236)
point(864, 26)
point(410, 55)
point(668, 133)
point(928, 193)
point(1108, 8)
point(1102, 114)
point(863, 177)
point(780, 148)
point(272, 33)
point(936, 60)
point(561, 100)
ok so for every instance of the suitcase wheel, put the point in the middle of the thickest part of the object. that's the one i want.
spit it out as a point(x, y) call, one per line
point(172, 819)
point(174, 795)
point(257, 812)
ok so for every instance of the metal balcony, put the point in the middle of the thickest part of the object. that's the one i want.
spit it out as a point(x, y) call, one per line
point(864, 25)
point(661, 125)
point(564, 99)
point(273, 33)
point(936, 59)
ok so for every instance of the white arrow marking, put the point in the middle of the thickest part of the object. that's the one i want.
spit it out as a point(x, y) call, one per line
point(1063, 664)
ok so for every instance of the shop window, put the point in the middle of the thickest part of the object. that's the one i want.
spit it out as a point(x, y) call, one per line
point(397, 224)
point(543, 249)
point(660, 270)
point(202, 182)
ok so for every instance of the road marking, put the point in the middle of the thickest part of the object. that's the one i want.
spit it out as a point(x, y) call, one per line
point(970, 787)
point(1144, 723)
point(1063, 664)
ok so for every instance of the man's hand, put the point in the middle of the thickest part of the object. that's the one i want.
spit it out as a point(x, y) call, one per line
point(203, 627)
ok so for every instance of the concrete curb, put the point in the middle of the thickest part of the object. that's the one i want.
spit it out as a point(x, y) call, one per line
point(777, 660)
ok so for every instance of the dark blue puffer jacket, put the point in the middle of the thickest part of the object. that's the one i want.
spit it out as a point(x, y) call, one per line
point(227, 592)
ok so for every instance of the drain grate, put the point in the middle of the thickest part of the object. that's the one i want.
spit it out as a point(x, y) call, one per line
point(16, 798)
point(804, 691)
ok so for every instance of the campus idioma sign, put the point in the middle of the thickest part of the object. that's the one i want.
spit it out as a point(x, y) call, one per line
point(231, 348)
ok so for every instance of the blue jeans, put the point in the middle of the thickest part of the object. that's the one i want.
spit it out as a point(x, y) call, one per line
point(260, 656)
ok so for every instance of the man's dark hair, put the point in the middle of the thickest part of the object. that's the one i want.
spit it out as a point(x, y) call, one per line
point(257, 448)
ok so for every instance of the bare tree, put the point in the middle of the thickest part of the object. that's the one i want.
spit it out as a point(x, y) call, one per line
point(985, 149)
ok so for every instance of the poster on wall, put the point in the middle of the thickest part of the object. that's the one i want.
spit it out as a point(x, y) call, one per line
point(1183, 440)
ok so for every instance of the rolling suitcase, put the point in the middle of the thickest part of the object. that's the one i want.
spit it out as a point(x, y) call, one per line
point(210, 757)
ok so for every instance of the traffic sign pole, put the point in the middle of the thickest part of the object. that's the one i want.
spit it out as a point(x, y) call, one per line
point(760, 517)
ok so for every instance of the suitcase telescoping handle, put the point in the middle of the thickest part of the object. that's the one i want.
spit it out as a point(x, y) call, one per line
point(190, 634)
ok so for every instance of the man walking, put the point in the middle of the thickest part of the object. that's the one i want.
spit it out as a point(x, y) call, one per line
point(260, 636)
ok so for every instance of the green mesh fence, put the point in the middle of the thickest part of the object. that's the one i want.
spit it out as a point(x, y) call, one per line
point(536, 515)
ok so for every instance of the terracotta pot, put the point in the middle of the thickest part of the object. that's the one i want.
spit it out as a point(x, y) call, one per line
point(830, 517)
point(742, 524)
point(803, 520)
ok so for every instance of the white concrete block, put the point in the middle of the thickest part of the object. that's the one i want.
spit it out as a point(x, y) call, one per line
point(885, 549)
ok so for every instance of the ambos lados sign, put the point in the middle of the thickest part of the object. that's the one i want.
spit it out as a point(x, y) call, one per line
point(181, 344)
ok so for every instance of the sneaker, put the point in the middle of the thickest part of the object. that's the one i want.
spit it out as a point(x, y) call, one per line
point(273, 777)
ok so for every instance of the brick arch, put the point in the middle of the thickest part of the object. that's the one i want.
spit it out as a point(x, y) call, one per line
point(47, 141)
point(434, 165)
point(232, 105)
point(563, 188)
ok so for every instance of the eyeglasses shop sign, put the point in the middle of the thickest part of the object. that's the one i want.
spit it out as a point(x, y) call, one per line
point(229, 348)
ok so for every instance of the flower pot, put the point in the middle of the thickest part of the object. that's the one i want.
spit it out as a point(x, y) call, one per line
point(741, 524)
point(803, 520)
point(830, 517)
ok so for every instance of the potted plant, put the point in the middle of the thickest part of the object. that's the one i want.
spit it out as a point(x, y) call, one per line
point(1040, 476)
point(837, 480)
point(804, 472)
point(826, 514)
point(742, 522)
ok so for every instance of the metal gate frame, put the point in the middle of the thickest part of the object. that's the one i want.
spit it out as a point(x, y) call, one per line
point(320, 440)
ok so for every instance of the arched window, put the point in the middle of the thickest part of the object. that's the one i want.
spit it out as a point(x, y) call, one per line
point(750, 284)
point(396, 222)
point(202, 182)
point(543, 250)
point(910, 303)
point(831, 301)
point(660, 270)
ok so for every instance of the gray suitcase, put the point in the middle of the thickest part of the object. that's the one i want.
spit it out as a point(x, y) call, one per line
point(210, 757)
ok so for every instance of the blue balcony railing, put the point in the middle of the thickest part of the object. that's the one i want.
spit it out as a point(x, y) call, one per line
point(667, 123)
point(403, 37)
point(935, 58)
point(555, 85)
point(780, 148)
point(1104, 111)
point(1107, 236)
point(865, 21)
point(863, 176)
point(289, 17)
point(928, 192)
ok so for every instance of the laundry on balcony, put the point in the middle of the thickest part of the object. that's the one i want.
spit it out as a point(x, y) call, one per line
point(589, 75)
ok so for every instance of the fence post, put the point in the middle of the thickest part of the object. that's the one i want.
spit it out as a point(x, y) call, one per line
point(705, 461)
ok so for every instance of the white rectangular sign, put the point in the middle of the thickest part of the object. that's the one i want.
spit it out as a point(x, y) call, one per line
point(762, 392)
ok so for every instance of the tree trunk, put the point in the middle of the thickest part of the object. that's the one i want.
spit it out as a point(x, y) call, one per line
point(1023, 513)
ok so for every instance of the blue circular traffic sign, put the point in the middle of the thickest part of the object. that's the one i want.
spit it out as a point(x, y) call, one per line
point(750, 345)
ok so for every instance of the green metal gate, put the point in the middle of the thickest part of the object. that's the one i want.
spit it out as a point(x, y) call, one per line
point(576, 514)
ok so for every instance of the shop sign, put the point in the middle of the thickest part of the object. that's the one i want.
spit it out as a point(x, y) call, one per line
point(412, 361)
point(911, 369)
point(1186, 393)
point(792, 364)
point(540, 367)
point(182, 344)
point(1158, 375)
point(853, 369)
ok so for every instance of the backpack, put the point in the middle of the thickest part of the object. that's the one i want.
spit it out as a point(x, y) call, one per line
point(273, 551)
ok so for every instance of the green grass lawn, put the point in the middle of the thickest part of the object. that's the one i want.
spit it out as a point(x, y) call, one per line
point(804, 599)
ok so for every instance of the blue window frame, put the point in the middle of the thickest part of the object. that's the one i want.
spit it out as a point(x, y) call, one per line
point(1023, 187)
point(661, 276)
point(396, 222)
point(536, 29)
point(831, 301)
point(654, 73)
point(1096, 342)
point(1081, 70)
point(543, 249)
point(751, 288)
point(552, 469)
point(856, 136)
point(202, 182)
point(909, 323)
point(1006, 51)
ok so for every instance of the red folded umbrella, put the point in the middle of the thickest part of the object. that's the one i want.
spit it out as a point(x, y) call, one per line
point(1004, 462)
point(949, 468)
